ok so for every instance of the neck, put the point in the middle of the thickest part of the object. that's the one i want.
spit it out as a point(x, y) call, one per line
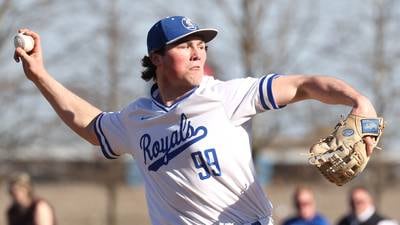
point(26, 203)
point(171, 90)
point(169, 95)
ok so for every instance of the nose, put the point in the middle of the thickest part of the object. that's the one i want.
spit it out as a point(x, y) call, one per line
point(195, 53)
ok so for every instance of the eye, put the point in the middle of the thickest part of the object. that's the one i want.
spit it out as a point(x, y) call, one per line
point(203, 47)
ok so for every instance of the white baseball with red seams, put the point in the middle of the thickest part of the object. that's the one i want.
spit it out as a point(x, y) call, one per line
point(26, 42)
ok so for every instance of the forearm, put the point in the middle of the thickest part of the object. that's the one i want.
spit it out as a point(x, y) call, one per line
point(77, 113)
point(294, 88)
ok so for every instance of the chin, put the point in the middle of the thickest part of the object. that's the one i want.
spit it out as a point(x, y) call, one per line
point(197, 79)
point(194, 77)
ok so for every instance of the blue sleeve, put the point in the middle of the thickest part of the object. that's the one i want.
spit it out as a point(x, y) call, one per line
point(290, 221)
point(320, 220)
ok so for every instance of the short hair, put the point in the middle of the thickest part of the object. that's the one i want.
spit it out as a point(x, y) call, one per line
point(360, 187)
point(21, 179)
point(300, 189)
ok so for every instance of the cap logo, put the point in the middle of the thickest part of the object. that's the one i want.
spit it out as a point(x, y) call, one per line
point(188, 24)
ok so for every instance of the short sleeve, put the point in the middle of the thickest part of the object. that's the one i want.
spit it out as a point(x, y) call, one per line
point(111, 134)
point(243, 98)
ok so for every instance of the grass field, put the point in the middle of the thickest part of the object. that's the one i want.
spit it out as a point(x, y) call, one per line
point(85, 203)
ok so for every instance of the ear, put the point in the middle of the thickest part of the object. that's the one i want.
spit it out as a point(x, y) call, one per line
point(156, 59)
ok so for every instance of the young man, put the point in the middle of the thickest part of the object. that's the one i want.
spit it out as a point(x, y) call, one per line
point(188, 137)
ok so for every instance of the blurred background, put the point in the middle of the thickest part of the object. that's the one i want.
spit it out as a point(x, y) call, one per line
point(94, 48)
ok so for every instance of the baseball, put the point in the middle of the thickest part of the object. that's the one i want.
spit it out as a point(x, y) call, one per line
point(24, 41)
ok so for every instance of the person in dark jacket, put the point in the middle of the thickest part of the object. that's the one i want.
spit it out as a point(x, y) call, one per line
point(363, 211)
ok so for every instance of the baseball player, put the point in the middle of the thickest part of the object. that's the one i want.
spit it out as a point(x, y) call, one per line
point(189, 135)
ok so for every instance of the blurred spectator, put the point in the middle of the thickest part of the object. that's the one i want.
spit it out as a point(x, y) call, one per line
point(363, 210)
point(26, 208)
point(306, 212)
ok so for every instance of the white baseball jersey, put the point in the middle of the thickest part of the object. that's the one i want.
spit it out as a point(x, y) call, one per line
point(195, 155)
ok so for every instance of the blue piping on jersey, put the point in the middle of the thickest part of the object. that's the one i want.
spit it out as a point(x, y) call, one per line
point(165, 108)
point(100, 136)
point(269, 91)
point(269, 95)
point(161, 106)
point(260, 89)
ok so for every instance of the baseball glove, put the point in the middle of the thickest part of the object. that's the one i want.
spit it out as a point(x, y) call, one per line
point(342, 155)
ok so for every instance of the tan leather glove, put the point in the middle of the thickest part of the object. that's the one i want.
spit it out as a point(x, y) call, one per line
point(342, 155)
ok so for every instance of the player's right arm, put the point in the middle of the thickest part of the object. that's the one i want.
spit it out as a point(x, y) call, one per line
point(77, 113)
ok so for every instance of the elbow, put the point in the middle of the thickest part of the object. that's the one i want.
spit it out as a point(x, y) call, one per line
point(303, 88)
point(317, 86)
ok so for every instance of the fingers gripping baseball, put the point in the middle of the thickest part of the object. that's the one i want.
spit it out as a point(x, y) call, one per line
point(32, 61)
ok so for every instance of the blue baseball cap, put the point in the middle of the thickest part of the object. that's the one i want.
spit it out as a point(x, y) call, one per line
point(172, 29)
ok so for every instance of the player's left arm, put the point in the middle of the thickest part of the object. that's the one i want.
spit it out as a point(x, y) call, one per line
point(329, 90)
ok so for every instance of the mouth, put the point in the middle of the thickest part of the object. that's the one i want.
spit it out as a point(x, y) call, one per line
point(195, 68)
